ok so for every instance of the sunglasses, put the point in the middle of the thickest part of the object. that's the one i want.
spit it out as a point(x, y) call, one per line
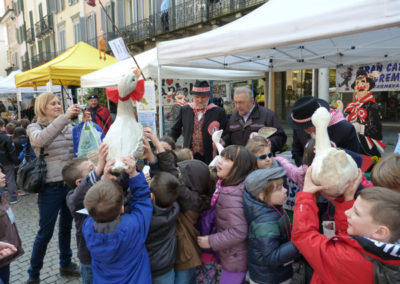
point(264, 156)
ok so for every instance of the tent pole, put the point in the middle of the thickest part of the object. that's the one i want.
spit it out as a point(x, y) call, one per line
point(266, 94)
point(160, 113)
point(269, 89)
point(19, 101)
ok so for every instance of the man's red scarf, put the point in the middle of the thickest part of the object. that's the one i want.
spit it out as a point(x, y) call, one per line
point(357, 111)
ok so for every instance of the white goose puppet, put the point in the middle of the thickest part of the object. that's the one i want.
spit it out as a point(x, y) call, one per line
point(124, 138)
point(331, 167)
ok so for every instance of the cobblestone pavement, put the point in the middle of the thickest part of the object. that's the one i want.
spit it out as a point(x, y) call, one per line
point(27, 220)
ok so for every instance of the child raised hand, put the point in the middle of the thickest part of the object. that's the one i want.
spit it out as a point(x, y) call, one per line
point(107, 170)
point(103, 152)
point(131, 163)
point(148, 133)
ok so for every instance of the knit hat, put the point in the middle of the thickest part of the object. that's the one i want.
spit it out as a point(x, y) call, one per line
point(300, 115)
point(257, 179)
point(93, 96)
point(201, 88)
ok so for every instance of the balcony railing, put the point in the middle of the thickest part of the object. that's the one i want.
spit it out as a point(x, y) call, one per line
point(30, 35)
point(25, 65)
point(42, 58)
point(186, 14)
point(44, 25)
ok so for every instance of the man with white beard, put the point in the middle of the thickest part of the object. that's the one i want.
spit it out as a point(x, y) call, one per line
point(197, 122)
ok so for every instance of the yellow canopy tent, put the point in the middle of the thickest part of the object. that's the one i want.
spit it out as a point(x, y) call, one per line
point(65, 69)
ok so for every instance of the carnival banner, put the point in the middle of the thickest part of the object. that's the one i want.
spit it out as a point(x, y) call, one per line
point(386, 76)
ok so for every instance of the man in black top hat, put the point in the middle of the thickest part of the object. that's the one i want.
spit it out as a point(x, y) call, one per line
point(341, 132)
point(197, 122)
point(100, 115)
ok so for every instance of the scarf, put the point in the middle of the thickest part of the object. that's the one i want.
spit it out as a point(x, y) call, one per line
point(357, 111)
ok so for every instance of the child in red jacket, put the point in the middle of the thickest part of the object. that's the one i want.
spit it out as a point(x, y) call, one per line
point(367, 236)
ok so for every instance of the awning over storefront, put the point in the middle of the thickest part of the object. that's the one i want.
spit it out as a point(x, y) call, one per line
point(110, 75)
point(65, 69)
point(290, 34)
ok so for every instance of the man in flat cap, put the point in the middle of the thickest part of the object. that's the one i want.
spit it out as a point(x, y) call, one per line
point(100, 115)
point(197, 122)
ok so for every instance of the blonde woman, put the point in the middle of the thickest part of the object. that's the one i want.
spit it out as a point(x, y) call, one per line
point(53, 132)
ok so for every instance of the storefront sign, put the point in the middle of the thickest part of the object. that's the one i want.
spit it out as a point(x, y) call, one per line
point(386, 76)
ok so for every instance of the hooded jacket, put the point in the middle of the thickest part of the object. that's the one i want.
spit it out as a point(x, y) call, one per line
point(195, 176)
point(341, 259)
point(161, 241)
point(270, 250)
point(120, 256)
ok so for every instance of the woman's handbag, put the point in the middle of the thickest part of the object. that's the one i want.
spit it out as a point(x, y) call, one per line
point(31, 176)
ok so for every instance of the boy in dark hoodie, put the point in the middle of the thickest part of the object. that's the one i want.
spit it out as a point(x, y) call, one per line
point(80, 174)
point(365, 248)
point(161, 241)
point(194, 176)
point(116, 241)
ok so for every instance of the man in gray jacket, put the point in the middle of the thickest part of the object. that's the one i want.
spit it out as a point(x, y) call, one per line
point(249, 117)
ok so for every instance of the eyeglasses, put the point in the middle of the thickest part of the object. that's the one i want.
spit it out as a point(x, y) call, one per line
point(264, 156)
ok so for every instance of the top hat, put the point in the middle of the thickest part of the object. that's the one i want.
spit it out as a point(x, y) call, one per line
point(201, 88)
point(93, 96)
point(361, 73)
point(300, 115)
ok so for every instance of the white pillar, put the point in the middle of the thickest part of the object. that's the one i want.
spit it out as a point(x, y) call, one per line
point(313, 83)
point(160, 115)
point(228, 92)
point(323, 84)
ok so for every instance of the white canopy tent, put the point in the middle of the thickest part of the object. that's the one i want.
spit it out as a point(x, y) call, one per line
point(290, 34)
point(110, 75)
point(7, 86)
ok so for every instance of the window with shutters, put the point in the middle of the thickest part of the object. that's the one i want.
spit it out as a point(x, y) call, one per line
point(77, 30)
point(91, 29)
point(120, 7)
point(61, 39)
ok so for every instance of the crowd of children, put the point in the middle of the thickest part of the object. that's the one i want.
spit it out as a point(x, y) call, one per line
point(187, 223)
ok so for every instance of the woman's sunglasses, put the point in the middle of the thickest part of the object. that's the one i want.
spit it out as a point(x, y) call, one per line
point(264, 156)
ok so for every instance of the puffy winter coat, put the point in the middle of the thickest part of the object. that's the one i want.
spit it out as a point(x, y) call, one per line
point(270, 250)
point(230, 241)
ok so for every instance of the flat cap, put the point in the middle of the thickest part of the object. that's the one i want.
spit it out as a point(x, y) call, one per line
point(256, 180)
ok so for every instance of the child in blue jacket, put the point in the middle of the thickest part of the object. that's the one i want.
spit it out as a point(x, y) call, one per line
point(116, 241)
point(270, 250)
